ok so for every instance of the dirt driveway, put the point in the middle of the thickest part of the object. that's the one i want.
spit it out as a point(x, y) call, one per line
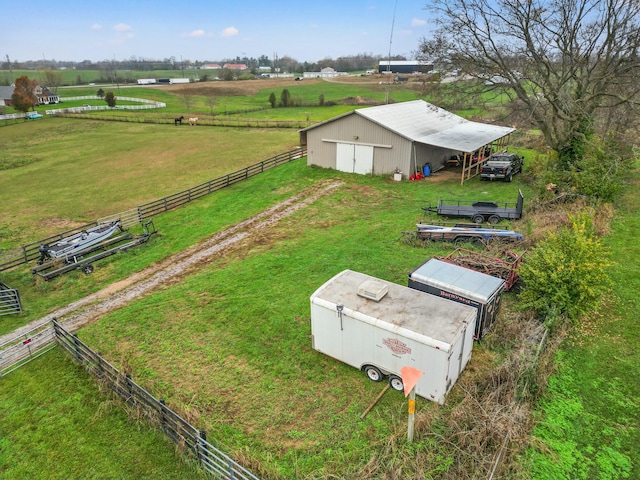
point(92, 307)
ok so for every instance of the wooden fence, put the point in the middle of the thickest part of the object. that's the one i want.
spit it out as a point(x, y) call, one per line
point(30, 252)
point(209, 121)
point(190, 440)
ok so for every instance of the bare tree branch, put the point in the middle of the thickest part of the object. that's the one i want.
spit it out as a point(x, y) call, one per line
point(566, 61)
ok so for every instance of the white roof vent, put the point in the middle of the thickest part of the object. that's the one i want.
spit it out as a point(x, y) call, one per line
point(373, 290)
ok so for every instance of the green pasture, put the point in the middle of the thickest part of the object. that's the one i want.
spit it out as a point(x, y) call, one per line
point(59, 425)
point(230, 345)
point(241, 324)
point(56, 172)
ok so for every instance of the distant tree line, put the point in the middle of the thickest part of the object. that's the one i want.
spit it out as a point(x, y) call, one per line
point(349, 63)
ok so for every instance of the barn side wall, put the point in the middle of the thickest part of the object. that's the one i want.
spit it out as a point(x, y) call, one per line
point(391, 150)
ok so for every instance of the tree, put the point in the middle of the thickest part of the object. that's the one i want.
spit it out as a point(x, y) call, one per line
point(272, 100)
point(100, 93)
point(285, 98)
point(24, 96)
point(110, 98)
point(211, 101)
point(186, 99)
point(568, 63)
point(52, 80)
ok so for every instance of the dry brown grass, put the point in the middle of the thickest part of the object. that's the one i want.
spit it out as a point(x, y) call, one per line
point(230, 89)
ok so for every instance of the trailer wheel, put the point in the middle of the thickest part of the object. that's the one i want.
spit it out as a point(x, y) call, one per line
point(396, 383)
point(87, 269)
point(477, 218)
point(493, 219)
point(373, 373)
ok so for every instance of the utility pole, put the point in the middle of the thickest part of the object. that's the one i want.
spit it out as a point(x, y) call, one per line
point(10, 69)
point(393, 21)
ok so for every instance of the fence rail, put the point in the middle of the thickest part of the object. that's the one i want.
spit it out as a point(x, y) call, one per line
point(31, 251)
point(216, 121)
point(181, 432)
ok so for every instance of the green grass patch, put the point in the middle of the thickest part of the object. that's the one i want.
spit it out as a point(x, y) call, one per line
point(75, 171)
point(56, 424)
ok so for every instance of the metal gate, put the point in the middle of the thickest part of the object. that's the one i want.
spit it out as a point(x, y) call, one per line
point(9, 300)
point(26, 347)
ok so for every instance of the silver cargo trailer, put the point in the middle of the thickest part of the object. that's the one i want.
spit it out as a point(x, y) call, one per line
point(380, 327)
point(463, 285)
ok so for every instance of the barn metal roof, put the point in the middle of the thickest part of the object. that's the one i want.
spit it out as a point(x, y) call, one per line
point(425, 123)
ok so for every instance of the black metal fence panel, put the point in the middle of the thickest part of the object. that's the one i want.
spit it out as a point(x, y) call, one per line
point(9, 300)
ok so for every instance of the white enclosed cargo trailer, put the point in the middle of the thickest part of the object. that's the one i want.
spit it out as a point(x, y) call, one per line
point(463, 285)
point(380, 327)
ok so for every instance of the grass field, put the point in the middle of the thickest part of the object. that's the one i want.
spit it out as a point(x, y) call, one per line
point(245, 364)
point(229, 345)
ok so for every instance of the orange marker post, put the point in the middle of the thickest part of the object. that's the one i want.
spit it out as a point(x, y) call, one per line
point(410, 377)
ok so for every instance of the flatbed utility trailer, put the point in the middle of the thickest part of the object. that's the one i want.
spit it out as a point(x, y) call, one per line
point(479, 211)
point(466, 233)
point(85, 259)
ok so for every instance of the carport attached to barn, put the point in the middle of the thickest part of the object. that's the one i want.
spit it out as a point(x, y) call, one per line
point(404, 136)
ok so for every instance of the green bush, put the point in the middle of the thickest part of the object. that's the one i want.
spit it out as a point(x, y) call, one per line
point(602, 171)
point(599, 173)
point(566, 273)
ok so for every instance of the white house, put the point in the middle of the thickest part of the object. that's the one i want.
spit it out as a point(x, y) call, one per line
point(326, 72)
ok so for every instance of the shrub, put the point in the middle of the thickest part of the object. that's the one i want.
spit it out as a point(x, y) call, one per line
point(602, 171)
point(285, 98)
point(566, 273)
point(598, 174)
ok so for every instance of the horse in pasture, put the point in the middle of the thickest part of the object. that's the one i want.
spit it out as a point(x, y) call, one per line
point(178, 120)
point(193, 121)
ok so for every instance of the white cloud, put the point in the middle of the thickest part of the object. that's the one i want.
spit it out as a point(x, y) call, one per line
point(195, 33)
point(417, 22)
point(230, 32)
point(96, 26)
point(122, 27)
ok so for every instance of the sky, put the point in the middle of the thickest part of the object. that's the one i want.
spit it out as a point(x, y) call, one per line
point(214, 30)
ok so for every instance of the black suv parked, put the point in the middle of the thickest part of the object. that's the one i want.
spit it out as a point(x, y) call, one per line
point(501, 166)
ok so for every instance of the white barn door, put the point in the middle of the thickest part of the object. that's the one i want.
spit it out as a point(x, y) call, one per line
point(354, 158)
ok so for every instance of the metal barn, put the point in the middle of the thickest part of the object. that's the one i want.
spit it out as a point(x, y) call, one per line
point(401, 136)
